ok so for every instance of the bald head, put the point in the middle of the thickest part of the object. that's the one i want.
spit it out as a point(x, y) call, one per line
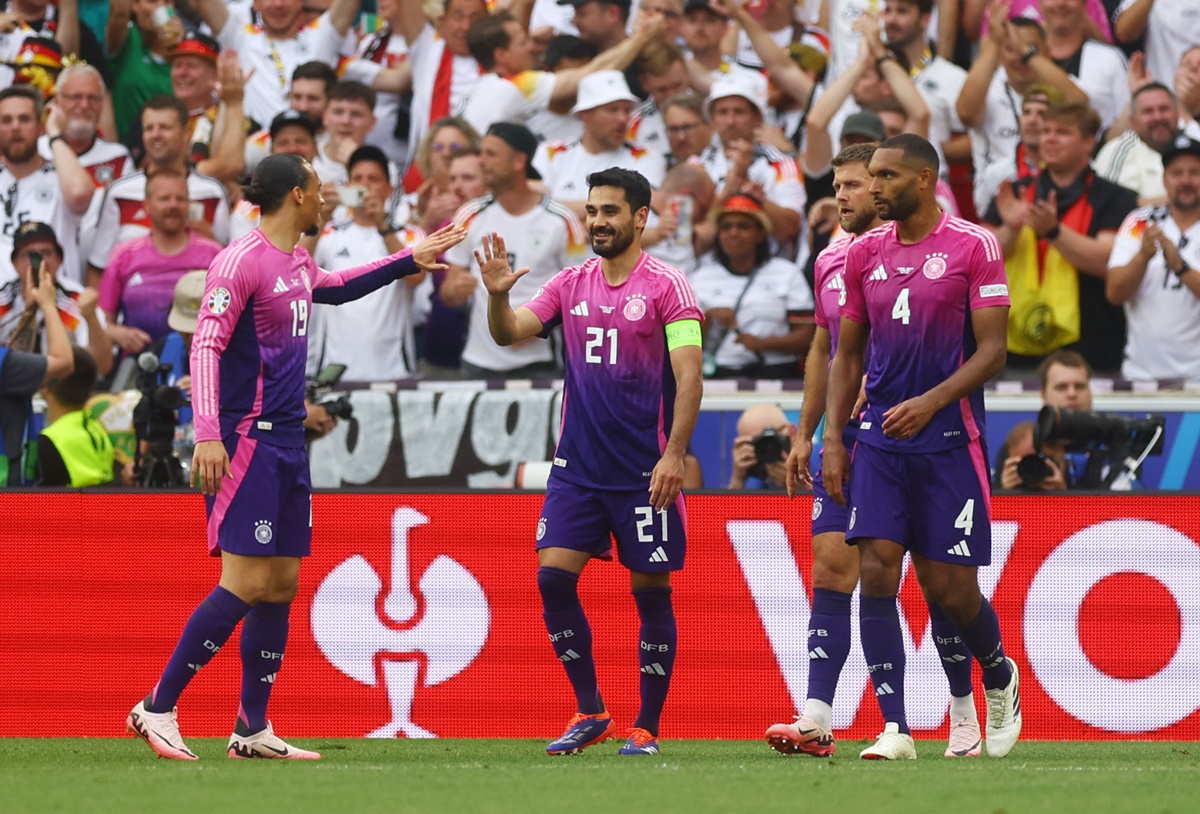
point(760, 417)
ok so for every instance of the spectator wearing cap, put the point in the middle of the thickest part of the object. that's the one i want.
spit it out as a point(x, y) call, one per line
point(555, 123)
point(510, 90)
point(605, 105)
point(603, 23)
point(194, 79)
point(81, 93)
point(139, 55)
point(56, 192)
point(23, 327)
point(1134, 159)
point(1056, 230)
point(704, 29)
point(290, 133)
point(543, 235)
point(74, 449)
point(137, 287)
point(38, 64)
point(444, 73)
point(53, 22)
point(758, 309)
point(1011, 59)
point(1152, 273)
point(309, 95)
point(119, 213)
point(373, 336)
point(272, 49)
point(736, 107)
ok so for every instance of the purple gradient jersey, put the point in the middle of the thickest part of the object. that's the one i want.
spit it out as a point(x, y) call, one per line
point(251, 341)
point(917, 299)
point(619, 389)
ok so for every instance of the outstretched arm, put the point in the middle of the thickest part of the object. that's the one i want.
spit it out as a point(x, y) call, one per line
point(506, 325)
point(337, 287)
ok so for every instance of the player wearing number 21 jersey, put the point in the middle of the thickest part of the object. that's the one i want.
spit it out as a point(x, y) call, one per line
point(631, 329)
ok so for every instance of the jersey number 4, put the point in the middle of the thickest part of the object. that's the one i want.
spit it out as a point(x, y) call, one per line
point(594, 347)
point(901, 310)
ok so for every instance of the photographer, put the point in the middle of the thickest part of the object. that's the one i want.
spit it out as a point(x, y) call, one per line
point(21, 374)
point(760, 449)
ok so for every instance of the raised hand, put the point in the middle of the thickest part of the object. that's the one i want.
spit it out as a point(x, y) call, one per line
point(492, 257)
point(1043, 215)
point(231, 82)
point(1014, 210)
point(426, 253)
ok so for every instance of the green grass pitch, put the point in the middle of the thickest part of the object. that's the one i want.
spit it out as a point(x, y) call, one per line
point(449, 776)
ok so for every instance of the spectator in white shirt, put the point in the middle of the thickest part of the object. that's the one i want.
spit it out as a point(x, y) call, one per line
point(1134, 159)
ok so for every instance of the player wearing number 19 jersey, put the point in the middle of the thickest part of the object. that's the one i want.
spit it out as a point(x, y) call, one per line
point(631, 330)
point(929, 293)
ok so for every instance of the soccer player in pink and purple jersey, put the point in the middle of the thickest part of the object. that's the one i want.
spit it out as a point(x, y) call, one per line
point(631, 330)
point(928, 292)
point(247, 366)
point(835, 565)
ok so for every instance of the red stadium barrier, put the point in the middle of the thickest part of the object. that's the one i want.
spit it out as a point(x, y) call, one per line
point(418, 615)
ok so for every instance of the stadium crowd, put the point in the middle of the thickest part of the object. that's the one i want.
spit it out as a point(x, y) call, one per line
point(1067, 127)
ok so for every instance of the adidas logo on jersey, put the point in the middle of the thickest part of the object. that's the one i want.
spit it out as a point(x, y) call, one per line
point(280, 286)
point(960, 550)
point(884, 689)
point(818, 653)
point(136, 279)
point(654, 669)
point(659, 555)
point(345, 252)
point(570, 655)
point(878, 274)
point(580, 310)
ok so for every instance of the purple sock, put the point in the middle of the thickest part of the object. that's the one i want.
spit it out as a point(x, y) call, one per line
point(264, 636)
point(956, 658)
point(570, 634)
point(656, 653)
point(982, 637)
point(206, 630)
point(883, 647)
point(828, 642)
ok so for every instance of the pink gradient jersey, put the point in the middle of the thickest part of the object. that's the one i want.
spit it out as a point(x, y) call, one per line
point(619, 388)
point(829, 288)
point(917, 299)
point(251, 341)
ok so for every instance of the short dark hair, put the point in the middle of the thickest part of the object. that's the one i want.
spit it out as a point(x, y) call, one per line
point(855, 154)
point(635, 185)
point(566, 46)
point(74, 389)
point(24, 92)
point(1153, 86)
point(371, 153)
point(486, 35)
point(1026, 22)
point(923, 6)
point(915, 149)
point(165, 101)
point(349, 90)
point(1066, 358)
point(274, 179)
point(316, 69)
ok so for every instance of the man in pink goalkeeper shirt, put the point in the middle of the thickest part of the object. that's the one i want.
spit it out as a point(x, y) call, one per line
point(247, 366)
point(929, 293)
point(631, 393)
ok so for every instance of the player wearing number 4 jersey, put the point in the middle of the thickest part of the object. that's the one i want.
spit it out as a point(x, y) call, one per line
point(248, 357)
point(928, 292)
point(631, 329)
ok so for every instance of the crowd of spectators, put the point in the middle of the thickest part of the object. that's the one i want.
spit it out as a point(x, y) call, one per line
point(1068, 127)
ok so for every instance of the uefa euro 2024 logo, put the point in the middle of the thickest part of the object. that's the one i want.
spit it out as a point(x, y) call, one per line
point(448, 636)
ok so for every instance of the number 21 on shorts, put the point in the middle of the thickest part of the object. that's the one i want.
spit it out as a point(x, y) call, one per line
point(645, 524)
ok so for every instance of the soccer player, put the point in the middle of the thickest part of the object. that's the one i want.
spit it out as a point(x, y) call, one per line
point(835, 565)
point(631, 330)
point(928, 291)
point(247, 367)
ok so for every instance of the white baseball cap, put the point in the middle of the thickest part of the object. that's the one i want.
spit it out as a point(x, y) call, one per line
point(750, 85)
point(600, 88)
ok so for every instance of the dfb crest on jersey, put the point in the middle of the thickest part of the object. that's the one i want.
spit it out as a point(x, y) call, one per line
point(935, 265)
point(635, 307)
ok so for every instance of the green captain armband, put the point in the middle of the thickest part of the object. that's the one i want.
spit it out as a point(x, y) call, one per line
point(682, 333)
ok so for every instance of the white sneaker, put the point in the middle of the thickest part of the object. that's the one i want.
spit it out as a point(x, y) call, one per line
point(964, 738)
point(1004, 715)
point(265, 744)
point(891, 746)
point(160, 730)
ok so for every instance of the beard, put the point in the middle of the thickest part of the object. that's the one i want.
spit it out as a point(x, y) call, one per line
point(900, 207)
point(17, 154)
point(79, 130)
point(859, 222)
point(618, 241)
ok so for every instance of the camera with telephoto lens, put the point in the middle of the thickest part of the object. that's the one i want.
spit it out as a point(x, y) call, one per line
point(1116, 445)
point(154, 420)
point(318, 392)
point(770, 447)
